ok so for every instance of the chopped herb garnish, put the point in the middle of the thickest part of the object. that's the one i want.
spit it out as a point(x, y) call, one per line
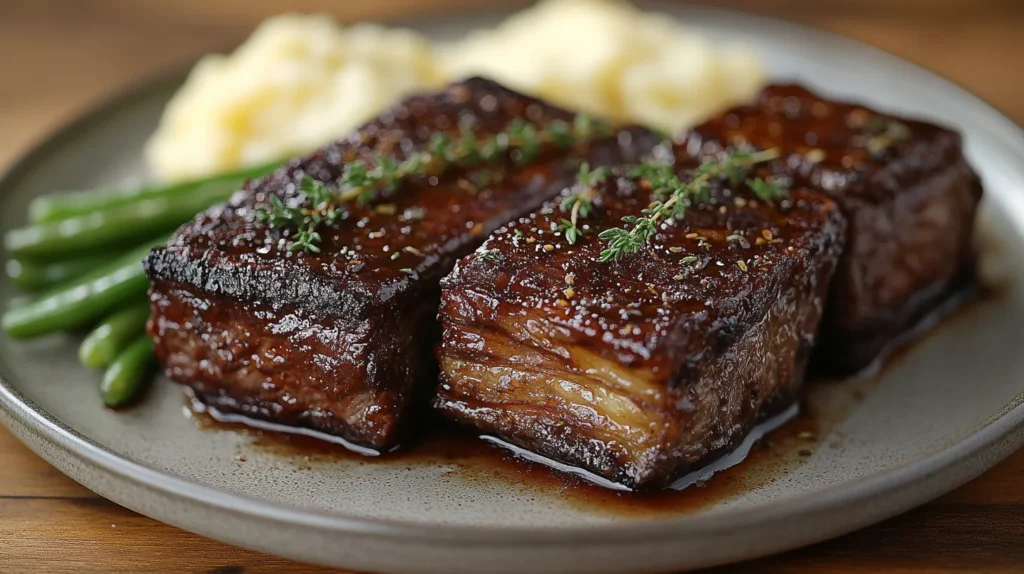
point(689, 259)
point(362, 182)
point(280, 214)
point(490, 254)
point(767, 191)
point(672, 197)
point(580, 204)
point(572, 233)
point(592, 177)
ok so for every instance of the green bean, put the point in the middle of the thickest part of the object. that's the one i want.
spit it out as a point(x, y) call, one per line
point(66, 205)
point(84, 300)
point(129, 374)
point(112, 228)
point(104, 343)
point(32, 277)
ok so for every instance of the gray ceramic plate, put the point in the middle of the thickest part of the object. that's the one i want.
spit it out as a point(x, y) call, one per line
point(938, 415)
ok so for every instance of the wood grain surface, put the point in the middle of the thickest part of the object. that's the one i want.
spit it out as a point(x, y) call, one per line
point(59, 57)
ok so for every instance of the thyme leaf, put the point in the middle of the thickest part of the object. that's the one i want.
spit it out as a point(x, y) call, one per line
point(767, 191)
point(581, 203)
point(363, 182)
point(671, 197)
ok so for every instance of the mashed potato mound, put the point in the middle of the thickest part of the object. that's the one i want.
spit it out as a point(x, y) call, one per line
point(301, 81)
point(295, 84)
point(610, 58)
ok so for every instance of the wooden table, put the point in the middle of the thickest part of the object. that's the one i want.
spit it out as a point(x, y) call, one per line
point(59, 57)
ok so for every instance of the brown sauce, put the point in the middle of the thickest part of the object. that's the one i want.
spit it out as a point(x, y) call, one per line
point(477, 460)
point(780, 451)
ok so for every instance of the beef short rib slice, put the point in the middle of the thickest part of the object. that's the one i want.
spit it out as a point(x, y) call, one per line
point(642, 369)
point(340, 341)
point(906, 189)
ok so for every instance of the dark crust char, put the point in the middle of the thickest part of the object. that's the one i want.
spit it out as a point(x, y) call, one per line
point(642, 369)
point(343, 320)
point(235, 358)
point(223, 251)
point(910, 208)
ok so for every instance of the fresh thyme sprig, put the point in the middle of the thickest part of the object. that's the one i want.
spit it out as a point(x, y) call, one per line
point(321, 209)
point(362, 182)
point(768, 191)
point(672, 197)
point(581, 203)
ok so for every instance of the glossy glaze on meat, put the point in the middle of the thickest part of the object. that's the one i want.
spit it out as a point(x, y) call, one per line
point(910, 207)
point(643, 369)
point(340, 341)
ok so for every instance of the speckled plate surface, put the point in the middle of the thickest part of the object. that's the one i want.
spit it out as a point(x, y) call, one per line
point(939, 414)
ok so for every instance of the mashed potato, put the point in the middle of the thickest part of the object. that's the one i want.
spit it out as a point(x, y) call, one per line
point(301, 81)
point(609, 58)
point(295, 84)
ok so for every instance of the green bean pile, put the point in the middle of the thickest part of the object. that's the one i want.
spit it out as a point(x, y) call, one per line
point(79, 262)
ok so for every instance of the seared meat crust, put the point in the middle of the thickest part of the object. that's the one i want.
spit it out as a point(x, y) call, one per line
point(643, 369)
point(337, 341)
point(906, 189)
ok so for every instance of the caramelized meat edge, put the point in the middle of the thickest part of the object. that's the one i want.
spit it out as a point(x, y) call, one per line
point(338, 341)
point(907, 190)
point(642, 369)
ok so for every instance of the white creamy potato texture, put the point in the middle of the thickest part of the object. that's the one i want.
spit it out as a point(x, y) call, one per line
point(300, 81)
point(610, 58)
point(295, 84)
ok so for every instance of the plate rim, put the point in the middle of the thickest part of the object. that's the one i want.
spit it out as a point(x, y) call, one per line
point(1000, 426)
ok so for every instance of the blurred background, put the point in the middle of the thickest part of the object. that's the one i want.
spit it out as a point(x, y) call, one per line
point(58, 57)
